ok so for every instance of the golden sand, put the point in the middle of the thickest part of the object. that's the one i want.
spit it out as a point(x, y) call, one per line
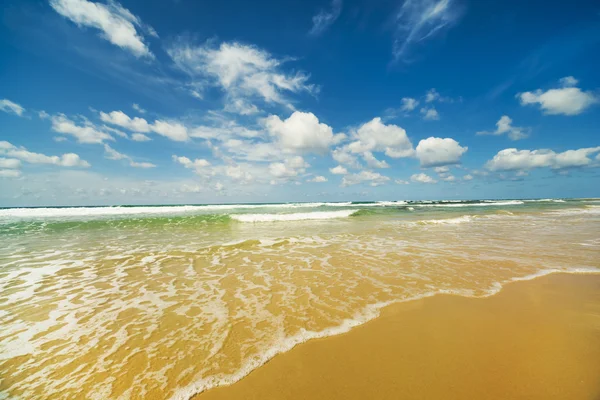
point(537, 339)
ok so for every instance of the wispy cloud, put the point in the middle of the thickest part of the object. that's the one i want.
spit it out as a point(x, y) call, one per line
point(11, 107)
point(325, 18)
point(420, 20)
point(245, 73)
point(117, 24)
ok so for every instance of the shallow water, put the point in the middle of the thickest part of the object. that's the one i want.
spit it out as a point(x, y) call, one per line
point(166, 301)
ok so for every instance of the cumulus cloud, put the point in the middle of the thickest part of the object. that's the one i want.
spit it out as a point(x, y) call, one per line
point(170, 129)
point(504, 125)
point(11, 107)
point(420, 20)
point(436, 152)
point(318, 179)
point(372, 178)
point(117, 24)
point(409, 104)
point(21, 153)
point(430, 113)
point(375, 136)
point(567, 100)
point(121, 119)
point(9, 163)
point(292, 167)
point(244, 72)
point(301, 132)
point(84, 134)
point(467, 177)
point(325, 18)
point(513, 159)
point(401, 182)
point(422, 178)
point(344, 156)
point(198, 164)
point(339, 170)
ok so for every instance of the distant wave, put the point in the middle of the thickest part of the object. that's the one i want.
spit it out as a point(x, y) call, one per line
point(292, 217)
point(482, 204)
point(577, 211)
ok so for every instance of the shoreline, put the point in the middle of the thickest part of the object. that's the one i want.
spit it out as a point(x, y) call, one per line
point(373, 314)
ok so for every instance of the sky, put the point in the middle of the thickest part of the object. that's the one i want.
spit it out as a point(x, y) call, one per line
point(194, 102)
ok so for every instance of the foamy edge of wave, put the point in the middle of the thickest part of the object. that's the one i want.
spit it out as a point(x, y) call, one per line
point(369, 313)
point(317, 215)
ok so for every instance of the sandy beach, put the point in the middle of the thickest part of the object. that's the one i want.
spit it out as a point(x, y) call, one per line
point(537, 339)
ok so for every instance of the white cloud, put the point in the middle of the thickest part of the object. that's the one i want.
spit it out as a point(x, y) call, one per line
point(373, 179)
point(467, 177)
point(121, 119)
point(11, 107)
point(318, 179)
point(140, 137)
point(117, 24)
point(83, 134)
point(325, 18)
point(339, 170)
point(301, 132)
point(170, 129)
point(436, 152)
point(135, 164)
point(244, 72)
point(431, 96)
point(10, 173)
point(448, 178)
point(401, 182)
point(430, 114)
point(376, 136)
point(408, 104)
point(422, 178)
point(568, 100)
point(373, 162)
point(9, 163)
point(568, 81)
point(513, 159)
point(442, 170)
point(290, 168)
point(504, 125)
point(420, 20)
point(343, 156)
point(198, 165)
point(112, 154)
point(21, 153)
point(137, 108)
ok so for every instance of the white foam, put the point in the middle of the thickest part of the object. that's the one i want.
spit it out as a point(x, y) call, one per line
point(370, 312)
point(293, 216)
point(544, 200)
point(577, 211)
point(449, 221)
point(487, 203)
point(52, 212)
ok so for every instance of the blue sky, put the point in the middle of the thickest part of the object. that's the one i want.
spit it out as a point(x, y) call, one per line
point(139, 102)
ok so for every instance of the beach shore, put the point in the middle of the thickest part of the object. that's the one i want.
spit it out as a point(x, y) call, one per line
point(537, 339)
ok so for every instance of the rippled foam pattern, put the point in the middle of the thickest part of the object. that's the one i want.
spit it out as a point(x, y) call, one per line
point(168, 301)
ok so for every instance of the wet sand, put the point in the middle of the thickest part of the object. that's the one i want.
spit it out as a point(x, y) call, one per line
point(537, 339)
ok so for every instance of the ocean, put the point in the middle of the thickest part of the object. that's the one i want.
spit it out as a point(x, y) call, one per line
point(133, 302)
